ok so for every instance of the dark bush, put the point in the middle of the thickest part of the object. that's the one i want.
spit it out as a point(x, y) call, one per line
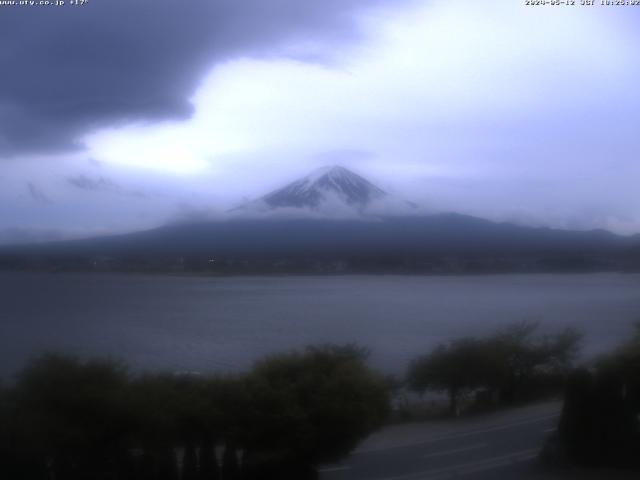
point(599, 424)
point(314, 406)
point(69, 419)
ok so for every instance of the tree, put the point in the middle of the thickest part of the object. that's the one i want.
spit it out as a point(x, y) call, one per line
point(599, 425)
point(73, 419)
point(520, 361)
point(600, 422)
point(625, 360)
point(72, 415)
point(311, 407)
point(17, 459)
point(178, 411)
point(456, 368)
point(509, 362)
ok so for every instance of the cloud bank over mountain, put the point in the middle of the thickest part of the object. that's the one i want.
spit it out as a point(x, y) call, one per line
point(496, 110)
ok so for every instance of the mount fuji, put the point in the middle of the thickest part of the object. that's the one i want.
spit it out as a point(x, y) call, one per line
point(336, 220)
point(316, 188)
point(328, 191)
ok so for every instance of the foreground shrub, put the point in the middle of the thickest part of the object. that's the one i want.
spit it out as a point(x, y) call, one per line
point(600, 424)
point(69, 419)
point(314, 406)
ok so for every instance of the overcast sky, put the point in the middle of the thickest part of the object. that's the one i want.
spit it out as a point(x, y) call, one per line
point(121, 115)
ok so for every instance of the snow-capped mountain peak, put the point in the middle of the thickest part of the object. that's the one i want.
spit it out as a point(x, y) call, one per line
point(326, 183)
point(328, 192)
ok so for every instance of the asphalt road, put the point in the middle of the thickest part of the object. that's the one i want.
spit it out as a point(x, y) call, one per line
point(497, 446)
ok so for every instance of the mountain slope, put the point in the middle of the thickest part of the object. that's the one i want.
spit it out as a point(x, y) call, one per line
point(405, 241)
point(323, 233)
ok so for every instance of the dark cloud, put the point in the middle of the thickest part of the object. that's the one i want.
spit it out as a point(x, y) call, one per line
point(100, 184)
point(70, 69)
point(84, 182)
point(37, 194)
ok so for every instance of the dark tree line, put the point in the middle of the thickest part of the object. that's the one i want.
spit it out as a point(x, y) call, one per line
point(600, 422)
point(67, 419)
point(510, 366)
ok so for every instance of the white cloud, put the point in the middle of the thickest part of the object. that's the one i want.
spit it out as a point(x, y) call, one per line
point(516, 102)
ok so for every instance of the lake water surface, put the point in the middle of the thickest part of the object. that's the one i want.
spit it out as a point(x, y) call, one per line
point(224, 324)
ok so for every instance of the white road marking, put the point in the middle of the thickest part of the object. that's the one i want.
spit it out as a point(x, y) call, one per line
point(460, 434)
point(498, 462)
point(471, 467)
point(456, 450)
point(333, 469)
